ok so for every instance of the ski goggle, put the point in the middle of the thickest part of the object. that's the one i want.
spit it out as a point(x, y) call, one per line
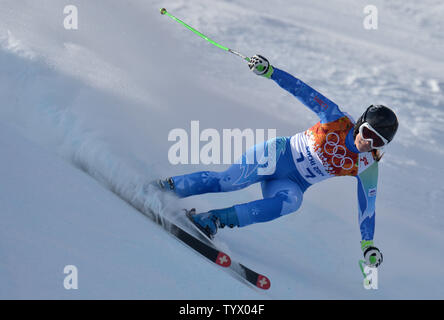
point(370, 134)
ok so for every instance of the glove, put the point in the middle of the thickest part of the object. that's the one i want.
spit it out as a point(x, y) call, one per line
point(372, 255)
point(260, 66)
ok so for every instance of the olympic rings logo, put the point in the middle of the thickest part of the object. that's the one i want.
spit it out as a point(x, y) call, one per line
point(332, 147)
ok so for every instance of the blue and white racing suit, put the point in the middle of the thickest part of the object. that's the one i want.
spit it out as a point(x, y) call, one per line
point(325, 150)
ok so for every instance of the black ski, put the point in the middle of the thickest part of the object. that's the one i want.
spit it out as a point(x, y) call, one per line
point(246, 273)
point(257, 279)
point(203, 246)
point(209, 251)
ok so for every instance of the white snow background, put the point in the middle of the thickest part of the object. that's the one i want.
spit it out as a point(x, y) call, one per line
point(85, 114)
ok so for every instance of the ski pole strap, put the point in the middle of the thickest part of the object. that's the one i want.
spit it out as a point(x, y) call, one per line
point(163, 11)
point(361, 263)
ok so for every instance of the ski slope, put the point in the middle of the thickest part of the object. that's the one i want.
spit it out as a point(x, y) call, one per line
point(84, 122)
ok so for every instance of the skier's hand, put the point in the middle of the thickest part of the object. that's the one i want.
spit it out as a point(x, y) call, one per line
point(260, 66)
point(372, 255)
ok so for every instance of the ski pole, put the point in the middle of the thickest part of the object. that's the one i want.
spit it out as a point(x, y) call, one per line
point(163, 11)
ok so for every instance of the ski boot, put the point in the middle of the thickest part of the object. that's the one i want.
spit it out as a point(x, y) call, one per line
point(209, 222)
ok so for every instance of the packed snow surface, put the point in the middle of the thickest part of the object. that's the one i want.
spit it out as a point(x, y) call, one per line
point(84, 121)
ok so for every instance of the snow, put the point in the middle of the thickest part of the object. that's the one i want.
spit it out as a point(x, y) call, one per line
point(84, 122)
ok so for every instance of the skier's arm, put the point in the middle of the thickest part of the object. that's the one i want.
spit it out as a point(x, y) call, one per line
point(326, 109)
point(367, 186)
point(367, 183)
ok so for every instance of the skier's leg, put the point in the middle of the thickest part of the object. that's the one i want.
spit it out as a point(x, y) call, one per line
point(281, 197)
point(256, 165)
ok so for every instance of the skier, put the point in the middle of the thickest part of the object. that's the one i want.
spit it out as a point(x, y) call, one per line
point(335, 146)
